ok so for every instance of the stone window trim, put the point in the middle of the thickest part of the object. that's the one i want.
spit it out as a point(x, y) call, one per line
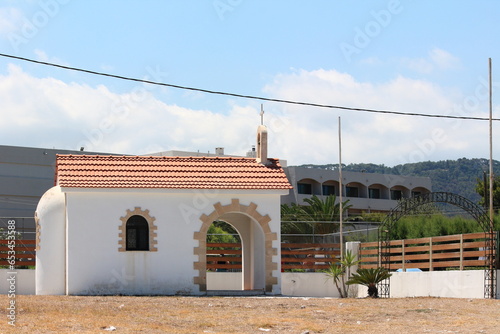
point(38, 232)
point(122, 242)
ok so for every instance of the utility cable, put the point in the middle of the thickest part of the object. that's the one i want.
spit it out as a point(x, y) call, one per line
point(252, 97)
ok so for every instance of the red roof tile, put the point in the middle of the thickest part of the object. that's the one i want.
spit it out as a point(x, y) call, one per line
point(94, 171)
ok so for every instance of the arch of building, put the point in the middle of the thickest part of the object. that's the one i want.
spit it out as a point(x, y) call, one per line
point(257, 239)
point(363, 190)
point(408, 205)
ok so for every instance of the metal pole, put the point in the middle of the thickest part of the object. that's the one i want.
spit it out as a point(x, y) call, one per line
point(340, 194)
point(490, 252)
point(491, 149)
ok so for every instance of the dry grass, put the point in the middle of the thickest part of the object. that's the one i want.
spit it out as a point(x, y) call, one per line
point(72, 314)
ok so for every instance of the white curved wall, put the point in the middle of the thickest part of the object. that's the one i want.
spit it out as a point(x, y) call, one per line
point(51, 256)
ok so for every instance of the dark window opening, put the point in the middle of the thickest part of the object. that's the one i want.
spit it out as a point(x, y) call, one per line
point(328, 190)
point(374, 193)
point(137, 234)
point(351, 191)
point(304, 188)
point(396, 195)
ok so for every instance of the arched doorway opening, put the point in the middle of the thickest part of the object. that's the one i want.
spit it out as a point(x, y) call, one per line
point(409, 205)
point(252, 275)
point(225, 255)
point(256, 241)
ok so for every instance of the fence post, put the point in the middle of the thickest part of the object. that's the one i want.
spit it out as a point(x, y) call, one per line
point(403, 242)
point(379, 257)
point(354, 247)
point(461, 252)
point(496, 235)
point(430, 254)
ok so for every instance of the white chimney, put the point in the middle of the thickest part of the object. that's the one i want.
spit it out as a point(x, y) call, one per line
point(219, 151)
point(251, 153)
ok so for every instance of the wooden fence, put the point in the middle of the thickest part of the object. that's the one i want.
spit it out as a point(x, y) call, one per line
point(308, 256)
point(24, 251)
point(301, 256)
point(453, 251)
point(435, 253)
point(224, 256)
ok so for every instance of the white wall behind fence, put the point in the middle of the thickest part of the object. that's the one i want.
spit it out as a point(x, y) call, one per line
point(23, 280)
point(446, 284)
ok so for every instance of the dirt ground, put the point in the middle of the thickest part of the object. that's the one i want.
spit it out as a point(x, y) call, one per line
point(119, 314)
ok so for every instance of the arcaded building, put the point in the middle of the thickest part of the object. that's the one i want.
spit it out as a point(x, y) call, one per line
point(366, 192)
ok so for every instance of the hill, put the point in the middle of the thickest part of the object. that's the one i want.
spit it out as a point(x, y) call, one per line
point(455, 176)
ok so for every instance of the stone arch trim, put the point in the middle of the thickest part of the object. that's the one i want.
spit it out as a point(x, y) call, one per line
point(38, 232)
point(408, 205)
point(152, 229)
point(249, 210)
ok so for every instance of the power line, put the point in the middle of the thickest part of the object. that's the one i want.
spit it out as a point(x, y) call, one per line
point(252, 97)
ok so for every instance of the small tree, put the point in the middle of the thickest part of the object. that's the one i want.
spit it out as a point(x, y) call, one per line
point(369, 278)
point(339, 271)
point(482, 188)
point(222, 232)
point(335, 272)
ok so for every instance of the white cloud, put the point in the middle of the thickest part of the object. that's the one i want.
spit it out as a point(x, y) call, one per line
point(437, 59)
point(379, 138)
point(50, 113)
point(11, 19)
point(46, 112)
point(419, 65)
point(443, 59)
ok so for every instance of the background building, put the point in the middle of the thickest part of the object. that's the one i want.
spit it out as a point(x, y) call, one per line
point(26, 173)
point(366, 192)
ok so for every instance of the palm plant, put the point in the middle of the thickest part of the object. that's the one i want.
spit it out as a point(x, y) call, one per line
point(293, 215)
point(317, 210)
point(335, 272)
point(369, 278)
point(339, 271)
point(324, 210)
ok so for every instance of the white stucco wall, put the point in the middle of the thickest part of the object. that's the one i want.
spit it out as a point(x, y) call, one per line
point(293, 284)
point(224, 281)
point(51, 255)
point(314, 284)
point(94, 264)
point(22, 279)
point(308, 285)
point(446, 284)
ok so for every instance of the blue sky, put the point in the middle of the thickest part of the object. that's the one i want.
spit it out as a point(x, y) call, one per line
point(412, 56)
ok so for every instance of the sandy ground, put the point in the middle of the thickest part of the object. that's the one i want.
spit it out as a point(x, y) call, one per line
point(120, 314)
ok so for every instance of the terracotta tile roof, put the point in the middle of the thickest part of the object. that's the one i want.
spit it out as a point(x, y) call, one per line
point(95, 171)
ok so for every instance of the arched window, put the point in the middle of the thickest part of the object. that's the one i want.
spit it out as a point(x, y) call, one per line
point(137, 234)
point(137, 231)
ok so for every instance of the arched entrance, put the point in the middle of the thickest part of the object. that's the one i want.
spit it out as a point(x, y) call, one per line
point(409, 205)
point(256, 239)
point(224, 257)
